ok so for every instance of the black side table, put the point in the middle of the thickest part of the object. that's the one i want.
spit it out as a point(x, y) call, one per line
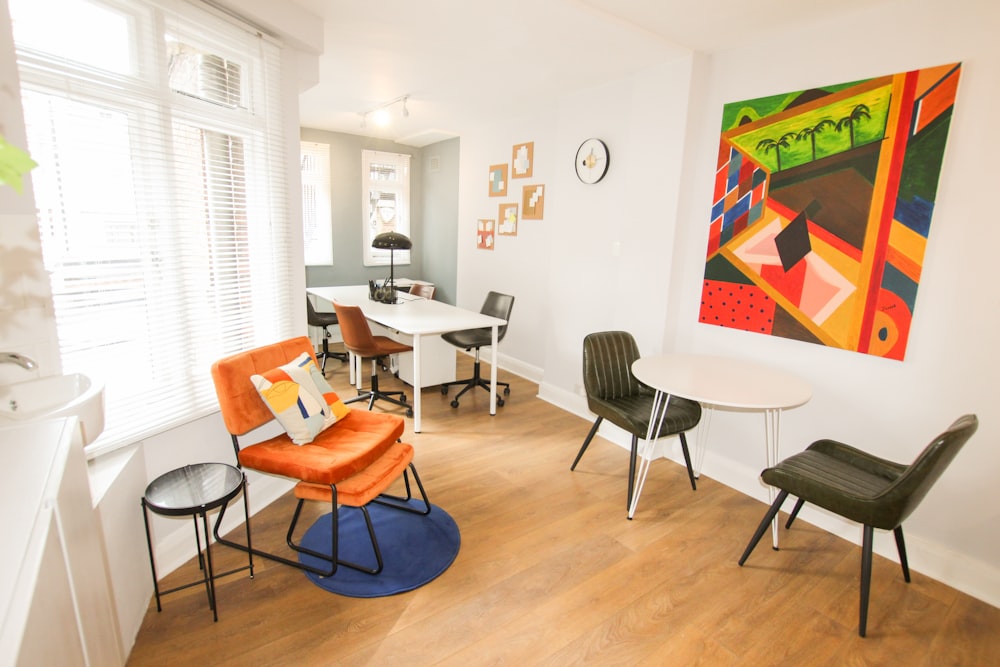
point(196, 489)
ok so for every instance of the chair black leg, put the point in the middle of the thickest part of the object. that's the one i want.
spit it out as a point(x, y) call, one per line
point(866, 578)
point(795, 512)
point(687, 460)
point(476, 380)
point(901, 548)
point(586, 442)
point(762, 528)
point(631, 472)
point(375, 394)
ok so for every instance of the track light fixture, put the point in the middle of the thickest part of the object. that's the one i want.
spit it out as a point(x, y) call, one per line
point(380, 115)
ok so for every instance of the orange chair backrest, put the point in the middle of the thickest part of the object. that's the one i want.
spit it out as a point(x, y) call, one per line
point(241, 405)
point(354, 329)
point(426, 291)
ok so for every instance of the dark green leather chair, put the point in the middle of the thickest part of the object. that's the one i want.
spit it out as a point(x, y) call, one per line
point(863, 488)
point(613, 393)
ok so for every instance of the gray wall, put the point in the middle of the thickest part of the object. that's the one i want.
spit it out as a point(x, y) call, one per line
point(433, 213)
point(438, 247)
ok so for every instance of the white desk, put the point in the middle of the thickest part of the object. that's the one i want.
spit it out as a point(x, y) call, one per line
point(717, 382)
point(418, 317)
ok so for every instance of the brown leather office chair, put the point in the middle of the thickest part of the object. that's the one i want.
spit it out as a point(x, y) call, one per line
point(613, 393)
point(359, 341)
point(425, 291)
point(864, 488)
point(324, 321)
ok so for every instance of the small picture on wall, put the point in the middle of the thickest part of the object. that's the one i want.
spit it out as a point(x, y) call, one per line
point(484, 234)
point(508, 220)
point(532, 202)
point(523, 160)
point(498, 180)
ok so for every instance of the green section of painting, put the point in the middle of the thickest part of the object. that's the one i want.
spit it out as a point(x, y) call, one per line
point(813, 135)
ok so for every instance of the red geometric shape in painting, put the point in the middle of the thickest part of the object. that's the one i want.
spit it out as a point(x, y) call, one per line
point(788, 283)
point(736, 306)
point(891, 327)
point(740, 223)
point(714, 236)
point(817, 292)
point(720, 182)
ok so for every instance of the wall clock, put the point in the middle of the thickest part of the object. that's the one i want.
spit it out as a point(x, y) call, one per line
point(592, 160)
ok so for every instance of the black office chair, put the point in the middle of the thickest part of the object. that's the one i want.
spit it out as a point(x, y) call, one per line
point(496, 305)
point(613, 393)
point(324, 320)
point(864, 488)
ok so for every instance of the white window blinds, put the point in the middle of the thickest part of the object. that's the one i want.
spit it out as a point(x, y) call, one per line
point(385, 184)
point(161, 197)
point(317, 222)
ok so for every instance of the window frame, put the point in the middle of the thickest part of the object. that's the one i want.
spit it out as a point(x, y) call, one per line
point(214, 265)
point(370, 228)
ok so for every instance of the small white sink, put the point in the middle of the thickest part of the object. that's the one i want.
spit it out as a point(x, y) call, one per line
point(54, 396)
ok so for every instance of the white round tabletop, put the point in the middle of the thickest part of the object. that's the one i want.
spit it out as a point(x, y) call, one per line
point(723, 382)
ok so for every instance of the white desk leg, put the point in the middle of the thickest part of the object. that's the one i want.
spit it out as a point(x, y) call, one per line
point(416, 383)
point(493, 370)
point(351, 363)
point(701, 438)
point(656, 416)
point(772, 420)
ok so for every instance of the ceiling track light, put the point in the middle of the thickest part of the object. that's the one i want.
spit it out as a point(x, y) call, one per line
point(380, 114)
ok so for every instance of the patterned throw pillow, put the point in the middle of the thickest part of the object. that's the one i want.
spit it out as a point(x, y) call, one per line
point(300, 398)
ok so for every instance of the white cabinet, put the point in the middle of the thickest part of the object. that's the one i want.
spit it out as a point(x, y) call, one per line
point(437, 358)
point(54, 582)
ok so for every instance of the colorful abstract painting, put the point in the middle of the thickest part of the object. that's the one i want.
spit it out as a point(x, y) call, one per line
point(821, 210)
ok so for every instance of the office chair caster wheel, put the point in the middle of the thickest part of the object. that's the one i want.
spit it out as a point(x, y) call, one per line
point(499, 402)
point(454, 404)
point(506, 391)
point(403, 398)
point(409, 412)
point(444, 390)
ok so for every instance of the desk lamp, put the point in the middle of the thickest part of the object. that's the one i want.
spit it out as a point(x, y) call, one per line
point(391, 241)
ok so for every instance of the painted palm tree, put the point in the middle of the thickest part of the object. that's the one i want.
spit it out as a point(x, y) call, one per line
point(777, 145)
point(811, 132)
point(858, 113)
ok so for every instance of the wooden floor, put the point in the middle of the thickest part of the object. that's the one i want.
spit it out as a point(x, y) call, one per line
point(551, 573)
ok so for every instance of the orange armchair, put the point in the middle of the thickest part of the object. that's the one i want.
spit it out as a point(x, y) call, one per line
point(352, 463)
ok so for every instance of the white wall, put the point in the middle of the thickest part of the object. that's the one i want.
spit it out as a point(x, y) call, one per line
point(662, 127)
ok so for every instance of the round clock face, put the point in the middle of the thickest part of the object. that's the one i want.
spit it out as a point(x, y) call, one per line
point(592, 160)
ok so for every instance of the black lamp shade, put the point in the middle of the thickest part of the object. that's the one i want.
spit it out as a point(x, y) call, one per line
point(392, 241)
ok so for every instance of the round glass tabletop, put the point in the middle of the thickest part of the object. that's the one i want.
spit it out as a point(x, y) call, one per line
point(193, 488)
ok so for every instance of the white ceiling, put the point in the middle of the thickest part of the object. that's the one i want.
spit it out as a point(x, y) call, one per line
point(463, 62)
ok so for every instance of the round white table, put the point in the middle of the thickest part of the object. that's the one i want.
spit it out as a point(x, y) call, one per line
point(717, 382)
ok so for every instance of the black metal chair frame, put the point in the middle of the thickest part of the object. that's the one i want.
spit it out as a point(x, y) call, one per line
point(388, 500)
point(633, 456)
point(375, 393)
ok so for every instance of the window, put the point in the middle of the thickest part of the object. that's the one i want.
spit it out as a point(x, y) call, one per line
point(385, 179)
point(161, 197)
point(317, 223)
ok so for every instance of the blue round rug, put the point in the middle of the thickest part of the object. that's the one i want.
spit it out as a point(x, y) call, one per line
point(415, 549)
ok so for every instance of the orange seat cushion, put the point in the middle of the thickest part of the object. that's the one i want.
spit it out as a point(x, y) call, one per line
point(352, 444)
point(362, 488)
